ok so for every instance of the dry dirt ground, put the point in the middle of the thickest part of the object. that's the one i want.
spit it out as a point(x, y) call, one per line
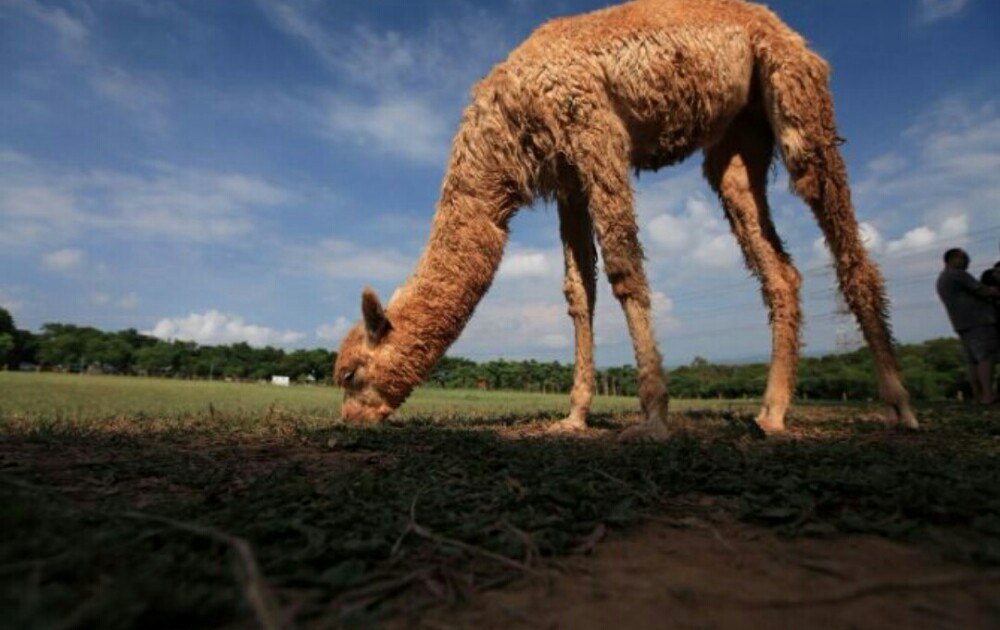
point(713, 572)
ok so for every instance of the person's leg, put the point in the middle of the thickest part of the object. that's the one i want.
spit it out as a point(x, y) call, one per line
point(984, 374)
point(981, 349)
point(988, 364)
point(977, 391)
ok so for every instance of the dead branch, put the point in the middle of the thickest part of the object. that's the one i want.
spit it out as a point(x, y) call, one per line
point(425, 533)
point(255, 588)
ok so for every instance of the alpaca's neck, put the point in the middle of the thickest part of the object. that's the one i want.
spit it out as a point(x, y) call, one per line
point(456, 269)
point(490, 176)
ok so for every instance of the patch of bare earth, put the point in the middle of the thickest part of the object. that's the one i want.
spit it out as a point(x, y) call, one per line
point(714, 572)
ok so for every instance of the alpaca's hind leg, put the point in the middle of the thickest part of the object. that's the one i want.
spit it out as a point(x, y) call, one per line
point(821, 179)
point(602, 159)
point(737, 169)
point(580, 287)
point(800, 109)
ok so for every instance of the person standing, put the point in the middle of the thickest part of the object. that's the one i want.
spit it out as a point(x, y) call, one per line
point(970, 309)
point(991, 278)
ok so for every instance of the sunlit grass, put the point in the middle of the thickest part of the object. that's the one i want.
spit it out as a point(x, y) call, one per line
point(84, 398)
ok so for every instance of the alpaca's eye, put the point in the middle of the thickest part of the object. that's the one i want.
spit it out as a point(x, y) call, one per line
point(349, 376)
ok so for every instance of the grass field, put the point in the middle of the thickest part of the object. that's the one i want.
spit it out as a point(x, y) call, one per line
point(68, 396)
point(84, 399)
point(149, 503)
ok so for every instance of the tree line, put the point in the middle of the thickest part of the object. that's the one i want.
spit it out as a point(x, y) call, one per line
point(933, 369)
point(69, 348)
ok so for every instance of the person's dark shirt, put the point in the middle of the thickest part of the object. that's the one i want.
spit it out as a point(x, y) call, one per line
point(960, 293)
point(991, 278)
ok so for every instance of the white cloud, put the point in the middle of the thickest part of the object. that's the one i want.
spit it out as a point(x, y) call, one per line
point(9, 302)
point(663, 312)
point(950, 232)
point(934, 10)
point(142, 96)
point(502, 319)
point(697, 233)
point(338, 258)
point(290, 17)
point(954, 227)
point(871, 238)
point(404, 92)
point(100, 298)
point(183, 204)
point(916, 238)
point(128, 302)
point(214, 327)
point(40, 203)
point(526, 263)
point(71, 31)
point(35, 212)
point(947, 191)
point(64, 260)
point(334, 332)
point(887, 164)
point(403, 125)
point(530, 325)
point(448, 53)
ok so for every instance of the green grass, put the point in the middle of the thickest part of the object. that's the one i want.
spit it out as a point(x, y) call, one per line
point(120, 499)
point(86, 398)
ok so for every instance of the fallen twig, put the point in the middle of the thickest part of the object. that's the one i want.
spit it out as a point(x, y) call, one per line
point(530, 548)
point(255, 588)
point(365, 596)
point(421, 531)
point(625, 485)
point(588, 544)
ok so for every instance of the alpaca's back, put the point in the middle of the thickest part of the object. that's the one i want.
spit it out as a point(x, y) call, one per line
point(674, 71)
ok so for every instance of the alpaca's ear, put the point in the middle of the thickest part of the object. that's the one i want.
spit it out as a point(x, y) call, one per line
point(376, 323)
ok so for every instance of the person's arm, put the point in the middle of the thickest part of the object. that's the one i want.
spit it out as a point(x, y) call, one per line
point(970, 284)
point(991, 278)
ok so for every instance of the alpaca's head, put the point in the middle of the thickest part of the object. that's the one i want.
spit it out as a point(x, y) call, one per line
point(363, 367)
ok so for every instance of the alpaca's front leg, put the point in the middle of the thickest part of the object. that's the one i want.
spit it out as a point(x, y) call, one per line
point(580, 287)
point(601, 155)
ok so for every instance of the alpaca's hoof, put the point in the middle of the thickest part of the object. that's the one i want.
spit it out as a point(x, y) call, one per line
point(901, 418)
point(771, 423)
point(649, 431)
point(567, 426)
point(770, 426)
point(772, 418)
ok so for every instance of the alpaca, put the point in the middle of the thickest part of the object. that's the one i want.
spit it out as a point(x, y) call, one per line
point(581, 102)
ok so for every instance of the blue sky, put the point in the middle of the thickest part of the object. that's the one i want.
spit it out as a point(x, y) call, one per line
point(223, 171)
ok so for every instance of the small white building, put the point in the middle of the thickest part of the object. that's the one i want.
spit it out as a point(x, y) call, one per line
point(282, 381)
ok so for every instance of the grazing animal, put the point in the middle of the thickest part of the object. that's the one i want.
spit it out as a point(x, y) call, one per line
point(570, 112)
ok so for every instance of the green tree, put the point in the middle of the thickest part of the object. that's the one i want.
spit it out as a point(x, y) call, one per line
point(161, 359)
point(7, 326)
point(8, 349)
